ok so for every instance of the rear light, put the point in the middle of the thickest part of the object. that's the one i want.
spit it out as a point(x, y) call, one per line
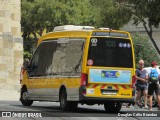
point(133, 81)
point(22, 73)
point(23, 70)
point(83, 79)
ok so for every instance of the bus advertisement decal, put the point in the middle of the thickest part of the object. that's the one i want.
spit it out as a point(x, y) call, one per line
point(110, 76)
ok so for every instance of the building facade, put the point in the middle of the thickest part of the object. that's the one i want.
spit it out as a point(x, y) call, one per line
point(11, 49)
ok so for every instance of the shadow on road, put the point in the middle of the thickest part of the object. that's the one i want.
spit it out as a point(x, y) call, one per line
point(50, 109)
point(55, 111)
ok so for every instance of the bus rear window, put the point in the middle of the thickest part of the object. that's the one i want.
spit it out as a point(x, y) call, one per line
point(110, 52)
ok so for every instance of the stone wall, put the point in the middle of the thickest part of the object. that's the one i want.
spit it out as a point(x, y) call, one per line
point(11, 49)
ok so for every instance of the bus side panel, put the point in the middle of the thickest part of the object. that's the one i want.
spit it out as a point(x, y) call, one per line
point(72, 88)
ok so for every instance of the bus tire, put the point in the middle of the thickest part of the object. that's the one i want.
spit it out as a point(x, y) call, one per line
point(67, 105)
point(24, 98)
point(64, 104)
point(112, 107)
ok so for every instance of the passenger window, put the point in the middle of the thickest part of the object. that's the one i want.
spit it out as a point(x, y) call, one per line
point(74, 57)
point(58, 60)
point(67, 58)
point(42, 59)
point(34, 62)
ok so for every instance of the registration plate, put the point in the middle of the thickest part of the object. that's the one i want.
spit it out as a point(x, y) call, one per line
point(109, 92)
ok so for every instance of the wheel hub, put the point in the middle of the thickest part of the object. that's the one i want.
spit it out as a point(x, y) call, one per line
point(25, 96)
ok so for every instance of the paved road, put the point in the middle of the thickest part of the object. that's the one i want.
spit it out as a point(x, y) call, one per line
point(51, 110)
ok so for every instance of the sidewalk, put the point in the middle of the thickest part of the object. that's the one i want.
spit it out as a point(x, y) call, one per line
point(132, 108)
point(9, 95)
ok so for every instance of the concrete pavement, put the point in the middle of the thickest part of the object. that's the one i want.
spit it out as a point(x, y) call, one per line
point(9, 95)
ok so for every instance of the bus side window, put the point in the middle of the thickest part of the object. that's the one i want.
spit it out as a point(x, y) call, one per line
point(58, 60)
point(67, 58)
point(32, 69)
point(74, 57)
point(46, 56)
point(42, 59)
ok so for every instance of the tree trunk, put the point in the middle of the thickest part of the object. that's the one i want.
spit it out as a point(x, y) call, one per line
point(150, 34)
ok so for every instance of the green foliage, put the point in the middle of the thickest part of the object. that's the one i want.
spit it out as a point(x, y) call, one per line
point(144, 50)
point(150, 11)
point(36, 17)
point(147, 13)
point(27, 55)
point(41, 15)
point(111, 13)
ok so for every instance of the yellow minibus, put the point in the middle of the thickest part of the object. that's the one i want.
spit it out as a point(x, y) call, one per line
point(81, 64)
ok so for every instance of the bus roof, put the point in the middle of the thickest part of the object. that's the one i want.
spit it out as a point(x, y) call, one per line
point(82, 31)
point(72, 27)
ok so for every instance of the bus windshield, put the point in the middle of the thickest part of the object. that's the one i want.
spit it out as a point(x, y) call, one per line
point(110, 52)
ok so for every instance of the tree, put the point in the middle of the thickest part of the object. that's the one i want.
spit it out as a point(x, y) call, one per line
point(143, 49)
point(37, 15)
point(146, 12)
point(43, 15)
point(111, 13)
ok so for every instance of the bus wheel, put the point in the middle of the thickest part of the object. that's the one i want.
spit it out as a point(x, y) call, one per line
point(24, 98)
point(112, 107)
point(67, 105)
point(64, 104)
